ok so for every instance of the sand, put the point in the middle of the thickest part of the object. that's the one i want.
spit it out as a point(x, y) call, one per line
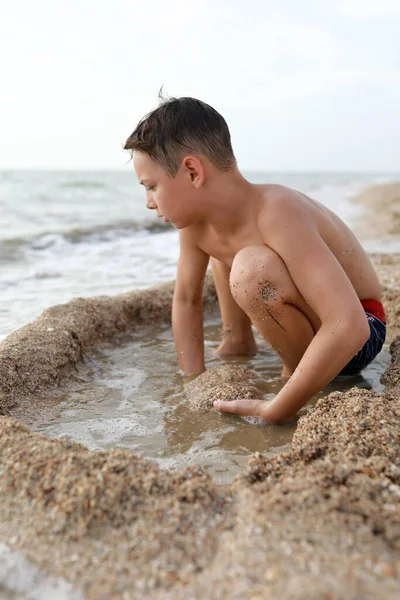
point(388, 268)
point(380, 218)
point(225, 382)
point(319, 521)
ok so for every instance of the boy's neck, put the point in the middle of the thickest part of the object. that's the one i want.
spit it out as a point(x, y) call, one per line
point(231, 201)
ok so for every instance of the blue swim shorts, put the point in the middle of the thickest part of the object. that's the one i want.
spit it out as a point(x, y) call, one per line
point(371, 348)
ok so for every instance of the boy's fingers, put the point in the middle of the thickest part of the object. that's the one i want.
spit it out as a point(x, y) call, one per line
point(245, 408)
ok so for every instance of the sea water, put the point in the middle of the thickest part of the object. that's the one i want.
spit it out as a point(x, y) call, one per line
point(66, 234)
point(128, 394)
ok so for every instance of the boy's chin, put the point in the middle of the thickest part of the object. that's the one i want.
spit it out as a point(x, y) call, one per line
point(184, 222)
point(179, 224)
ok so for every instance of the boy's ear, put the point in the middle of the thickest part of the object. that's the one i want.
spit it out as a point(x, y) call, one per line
point(194, 170)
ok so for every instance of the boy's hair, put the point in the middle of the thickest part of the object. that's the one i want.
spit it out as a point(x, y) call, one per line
point(179, 126)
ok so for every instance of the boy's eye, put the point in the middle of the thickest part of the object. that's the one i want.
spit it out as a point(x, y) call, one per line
point(151, 188)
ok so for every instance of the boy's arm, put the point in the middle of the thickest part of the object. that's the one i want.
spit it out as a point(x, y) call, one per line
point(187, 305)
point(326, 288)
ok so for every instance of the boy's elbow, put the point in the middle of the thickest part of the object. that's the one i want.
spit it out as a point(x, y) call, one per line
point(361, 332)
point(354, 333)
point(274, 415)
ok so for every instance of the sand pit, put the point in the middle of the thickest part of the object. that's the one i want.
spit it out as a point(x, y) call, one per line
point(44, 353)
point(319, 521)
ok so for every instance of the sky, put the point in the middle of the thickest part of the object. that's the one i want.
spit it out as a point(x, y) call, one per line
point(303, 85)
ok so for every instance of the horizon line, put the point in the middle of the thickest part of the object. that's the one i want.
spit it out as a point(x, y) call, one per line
point(244, 169)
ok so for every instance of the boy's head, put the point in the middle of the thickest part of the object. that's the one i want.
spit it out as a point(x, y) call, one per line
point(182, 126)
point(175, 148)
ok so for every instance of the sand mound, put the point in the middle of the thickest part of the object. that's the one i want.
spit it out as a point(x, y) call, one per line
point(80, 490)
point(225, 382)
point(359, 423)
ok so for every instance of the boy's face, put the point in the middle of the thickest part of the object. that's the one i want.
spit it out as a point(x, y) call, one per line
point(169, 196)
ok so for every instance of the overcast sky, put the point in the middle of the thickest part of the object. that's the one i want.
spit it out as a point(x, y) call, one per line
point(304, 85)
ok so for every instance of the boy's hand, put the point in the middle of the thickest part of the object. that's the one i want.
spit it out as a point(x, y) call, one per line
point(269, 411)
point(245, 408)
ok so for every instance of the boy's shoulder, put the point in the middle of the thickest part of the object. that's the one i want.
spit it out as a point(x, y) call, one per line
point(281, 205)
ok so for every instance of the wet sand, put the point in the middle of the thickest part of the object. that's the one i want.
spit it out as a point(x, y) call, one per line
point(319, 521)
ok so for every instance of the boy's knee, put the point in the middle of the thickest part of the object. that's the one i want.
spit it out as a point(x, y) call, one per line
point(255, 274)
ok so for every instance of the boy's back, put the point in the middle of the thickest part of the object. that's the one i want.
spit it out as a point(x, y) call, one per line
point(275, 205)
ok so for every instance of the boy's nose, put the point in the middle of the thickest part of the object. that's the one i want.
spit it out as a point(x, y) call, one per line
point(150, 204)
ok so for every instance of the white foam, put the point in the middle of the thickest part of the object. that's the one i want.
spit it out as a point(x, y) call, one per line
point(24, 581)
point(204, 451)
point(127, 383)
point(98, 433)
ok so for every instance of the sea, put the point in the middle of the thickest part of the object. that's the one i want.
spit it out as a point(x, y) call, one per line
point(67, 234)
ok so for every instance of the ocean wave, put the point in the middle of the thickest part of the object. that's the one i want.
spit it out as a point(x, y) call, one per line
point(84, 184)
point(11, 249)
point(106, 231)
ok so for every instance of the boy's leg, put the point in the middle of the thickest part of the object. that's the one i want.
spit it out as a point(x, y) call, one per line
point(237, 336)
point(263, 288)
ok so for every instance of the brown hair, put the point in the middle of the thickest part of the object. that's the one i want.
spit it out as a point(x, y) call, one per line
point(181, 125)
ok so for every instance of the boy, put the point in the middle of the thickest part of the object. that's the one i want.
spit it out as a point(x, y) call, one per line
point(280, 261)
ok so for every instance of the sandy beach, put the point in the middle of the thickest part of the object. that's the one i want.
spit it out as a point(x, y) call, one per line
point(381, 216)
point(319, 521)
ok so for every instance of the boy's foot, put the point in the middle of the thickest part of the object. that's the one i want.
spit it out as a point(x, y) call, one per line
point(229, 348)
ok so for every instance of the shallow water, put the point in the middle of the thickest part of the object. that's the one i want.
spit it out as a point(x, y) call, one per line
point(130, 395)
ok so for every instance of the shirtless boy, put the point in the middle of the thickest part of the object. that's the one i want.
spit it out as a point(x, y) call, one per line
point(280, 261)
